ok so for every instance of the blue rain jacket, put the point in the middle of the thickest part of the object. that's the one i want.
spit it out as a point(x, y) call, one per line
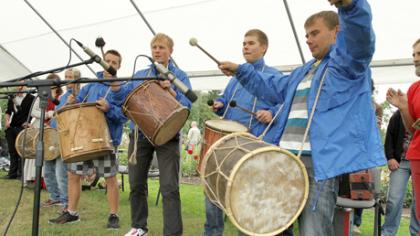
point(344, 136)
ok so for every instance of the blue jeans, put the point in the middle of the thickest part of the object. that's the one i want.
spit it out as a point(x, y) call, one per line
point(55, 176)
point(215, 224)
point(318, 214)
point(396, 192)
point(357, 217)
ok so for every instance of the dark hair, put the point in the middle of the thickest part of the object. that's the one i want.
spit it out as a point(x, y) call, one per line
point(59, 90)
point(115, 53)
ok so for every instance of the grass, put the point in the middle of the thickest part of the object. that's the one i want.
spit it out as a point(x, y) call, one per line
point(93, 209)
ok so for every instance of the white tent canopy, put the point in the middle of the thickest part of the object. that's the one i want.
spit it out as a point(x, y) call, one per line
point(218, 25)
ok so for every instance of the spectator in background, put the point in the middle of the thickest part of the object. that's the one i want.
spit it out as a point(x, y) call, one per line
point(193, 138)
point(396, 144)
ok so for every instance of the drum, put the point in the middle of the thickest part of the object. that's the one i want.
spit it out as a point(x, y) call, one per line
point(27, 140)
point(83, 133)
point(260, 187)
point(213, 131)
point(158, 115)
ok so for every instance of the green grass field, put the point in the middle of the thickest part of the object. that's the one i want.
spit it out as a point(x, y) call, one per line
point(93, 210)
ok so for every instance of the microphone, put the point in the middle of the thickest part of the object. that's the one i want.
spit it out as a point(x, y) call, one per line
point(210, 102)
point(98, 59)
point(178, 83)
point(233, 104)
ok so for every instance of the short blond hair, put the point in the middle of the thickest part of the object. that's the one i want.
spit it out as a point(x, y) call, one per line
point(417, 42)
point(161, 37)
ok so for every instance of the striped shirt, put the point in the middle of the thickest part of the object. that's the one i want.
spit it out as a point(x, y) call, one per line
point(298, 118)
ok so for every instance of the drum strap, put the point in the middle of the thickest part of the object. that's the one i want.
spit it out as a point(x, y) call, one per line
point(311, 116)
point(132, 160)
point(253, 106)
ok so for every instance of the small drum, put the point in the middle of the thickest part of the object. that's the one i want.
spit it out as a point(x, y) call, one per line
point(260, 187)
point(83, 133)
point(213, 131)
point(158, 115)
point(27, 140)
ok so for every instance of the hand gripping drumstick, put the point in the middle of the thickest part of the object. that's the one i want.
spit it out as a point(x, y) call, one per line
point(194, 42)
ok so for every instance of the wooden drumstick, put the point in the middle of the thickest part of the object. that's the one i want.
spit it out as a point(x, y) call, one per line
point(194, 42)
point(233, 104)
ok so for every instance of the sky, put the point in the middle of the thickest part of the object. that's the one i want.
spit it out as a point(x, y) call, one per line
point(218, 25)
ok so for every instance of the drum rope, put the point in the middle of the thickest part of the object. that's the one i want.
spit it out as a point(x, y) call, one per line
point(271, 122)
point(132, 159)
point(311, 116)
point(233, 95)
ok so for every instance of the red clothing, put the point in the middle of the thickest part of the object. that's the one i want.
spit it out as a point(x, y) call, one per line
point(50, 107)
point(413, 96)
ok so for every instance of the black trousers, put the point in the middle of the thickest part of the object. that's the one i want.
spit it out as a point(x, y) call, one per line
point(168, 158)
point(16, 162)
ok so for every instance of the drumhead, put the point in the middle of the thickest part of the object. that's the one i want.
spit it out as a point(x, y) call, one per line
point(226, 126)
point(171, 126)
point(267, 191)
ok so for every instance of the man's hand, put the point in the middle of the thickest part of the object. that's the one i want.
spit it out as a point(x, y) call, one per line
point(396, 98)
point(71, 99)
point(166, 84)
point(264, 116)
point(6, 124)
point(340, 3)
point(102, 105)
point(228, 68)
point(393, 165)
point(217, 105)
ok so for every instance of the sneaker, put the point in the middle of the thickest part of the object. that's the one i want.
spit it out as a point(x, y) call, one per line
point(62, 210)
point(136, 232)
point(113, 222)
point(50, 202)
point(356, 230)
point(66, 217)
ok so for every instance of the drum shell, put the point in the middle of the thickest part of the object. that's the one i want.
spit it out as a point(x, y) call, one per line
point(261, 188)
point(26, 144)
point(83, 132)
point(213, 131)
point(155, 111)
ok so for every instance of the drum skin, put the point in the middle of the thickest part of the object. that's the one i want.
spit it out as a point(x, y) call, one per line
point(213, 131)
point(261, 187)
point(83, 132)
point(27, 140)
point(155, 111)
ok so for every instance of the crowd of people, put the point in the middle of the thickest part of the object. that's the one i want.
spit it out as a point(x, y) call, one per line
point(322, 112)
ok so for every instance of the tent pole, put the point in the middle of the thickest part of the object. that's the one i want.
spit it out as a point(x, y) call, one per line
point(58, 35)
point(147, 23)
point(294, 30)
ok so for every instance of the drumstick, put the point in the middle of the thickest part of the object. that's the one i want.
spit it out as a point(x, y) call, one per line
point(194, 42)
point(233, 104)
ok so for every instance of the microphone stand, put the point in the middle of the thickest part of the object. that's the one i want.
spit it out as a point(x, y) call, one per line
point(44, 92)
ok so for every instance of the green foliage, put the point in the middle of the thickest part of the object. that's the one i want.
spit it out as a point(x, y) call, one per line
point(200, 111)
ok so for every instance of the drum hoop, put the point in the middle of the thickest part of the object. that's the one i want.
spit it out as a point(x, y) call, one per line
point(224, 131)
point(177, 110)
point(236, 169)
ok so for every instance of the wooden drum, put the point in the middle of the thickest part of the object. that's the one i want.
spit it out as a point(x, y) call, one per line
point(260, 187)
point(27, 140)
point(83, 132)
point(213, 131)
point(157, 114)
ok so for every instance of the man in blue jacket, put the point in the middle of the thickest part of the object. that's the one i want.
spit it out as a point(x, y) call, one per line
point(254, 47)
point(343, 136)
point(106, 166)
point(168, 154)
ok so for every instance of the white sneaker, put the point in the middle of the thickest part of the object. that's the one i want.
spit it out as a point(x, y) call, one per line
point(136, 232)
point(356, 230)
